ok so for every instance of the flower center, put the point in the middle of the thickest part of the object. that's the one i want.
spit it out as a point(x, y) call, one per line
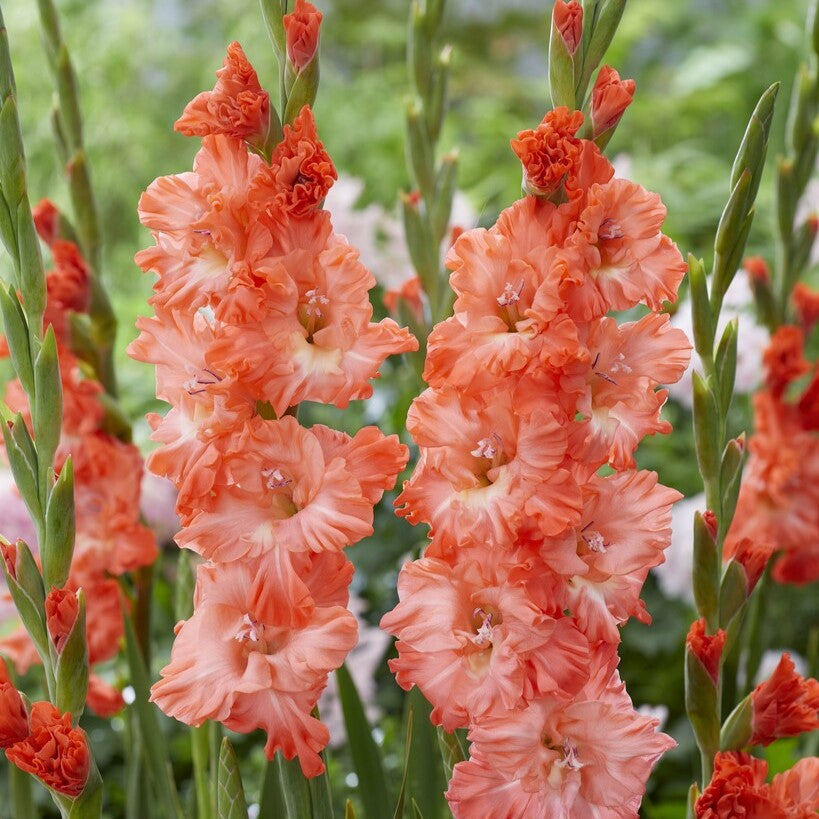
point(487, 447)
point(609, 229)
point(200, 380)
point(568, 758)
point(312, 311)
point(274, 479)
point(507, 301)
point(257, 637)
point(483, 632)
point(596, 542)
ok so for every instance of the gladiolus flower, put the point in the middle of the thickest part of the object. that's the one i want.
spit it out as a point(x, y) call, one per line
point(806, 302)
point(103, 699)
point(785, 705)
point(551, 151)
point(737, 788)
point(610, 98)
point(62, 608)
point(9, 554)
point(784, 359)
point(798, 788)
point(300, 172)
point(707, 648)
point(301, 29)
point(561, 757)
point(53, 751)
point(568, 18)
point(256, 654)
point(13, 716)
point(237, 106)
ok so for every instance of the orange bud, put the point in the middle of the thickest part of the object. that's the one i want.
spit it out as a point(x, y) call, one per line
point(610, 98)
point(710, 520)
point(302, 32)
point(757, 269)
point(706, 648)
point(568, 18)
point(13, 717)
point(9, 553)
point(753, 558)
point(806, 303)
point(46, 220)
point(62, 607)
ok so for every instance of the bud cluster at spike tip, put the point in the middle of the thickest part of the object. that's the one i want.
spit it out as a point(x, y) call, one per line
point(110, 538)
point(778, 506)
point(509, 623)
point(259, 305)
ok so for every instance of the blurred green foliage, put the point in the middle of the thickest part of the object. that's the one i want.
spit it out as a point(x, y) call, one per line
point(700, 66)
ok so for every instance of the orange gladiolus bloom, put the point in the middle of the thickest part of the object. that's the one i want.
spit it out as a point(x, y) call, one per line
point(53, 751)
point(785, 705)
point(237, 107)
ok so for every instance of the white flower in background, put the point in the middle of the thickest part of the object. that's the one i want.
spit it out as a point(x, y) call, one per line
point(157, 503)
point(658, 712)
point(674, 576)
point(362, 663)
point(770, 660)
point(751, 340)
point(15, 523)
point(379, 233)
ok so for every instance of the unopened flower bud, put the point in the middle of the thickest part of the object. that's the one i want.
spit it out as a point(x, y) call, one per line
point(568, 20)
point(753, 557)
point(46, 220)
point(711, 522)
point(301, 28)
point(62, 607)
point(707, 648)
point(13, 716)
point(610, 98)
point(757, 269)
point(806, 303)
point(9, 553)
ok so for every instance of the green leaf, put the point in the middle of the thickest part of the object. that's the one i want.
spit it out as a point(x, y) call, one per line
point(304, 89)
point(706, 570)
point(372, 784)
point(16, 329)
point(88, 805)
point(294, 788)
point(71, 670)
point(23, 462)
point(183, 587)
point(399, 805)
point(419, 149)
point(561, 69)
point(271, 798)
point(427, 775)
point(156, 749)
point(701, 704)
point(60, 528)
point(67, 95)
point(445, 185)
point(736, 733)
point(230, 801)
point(725, 362)
point(452, 752)
point(700, 308)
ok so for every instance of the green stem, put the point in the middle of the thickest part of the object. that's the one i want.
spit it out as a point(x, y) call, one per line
point(753, 631)
point(21, 796)
point(200, 752)
point(215, 740)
